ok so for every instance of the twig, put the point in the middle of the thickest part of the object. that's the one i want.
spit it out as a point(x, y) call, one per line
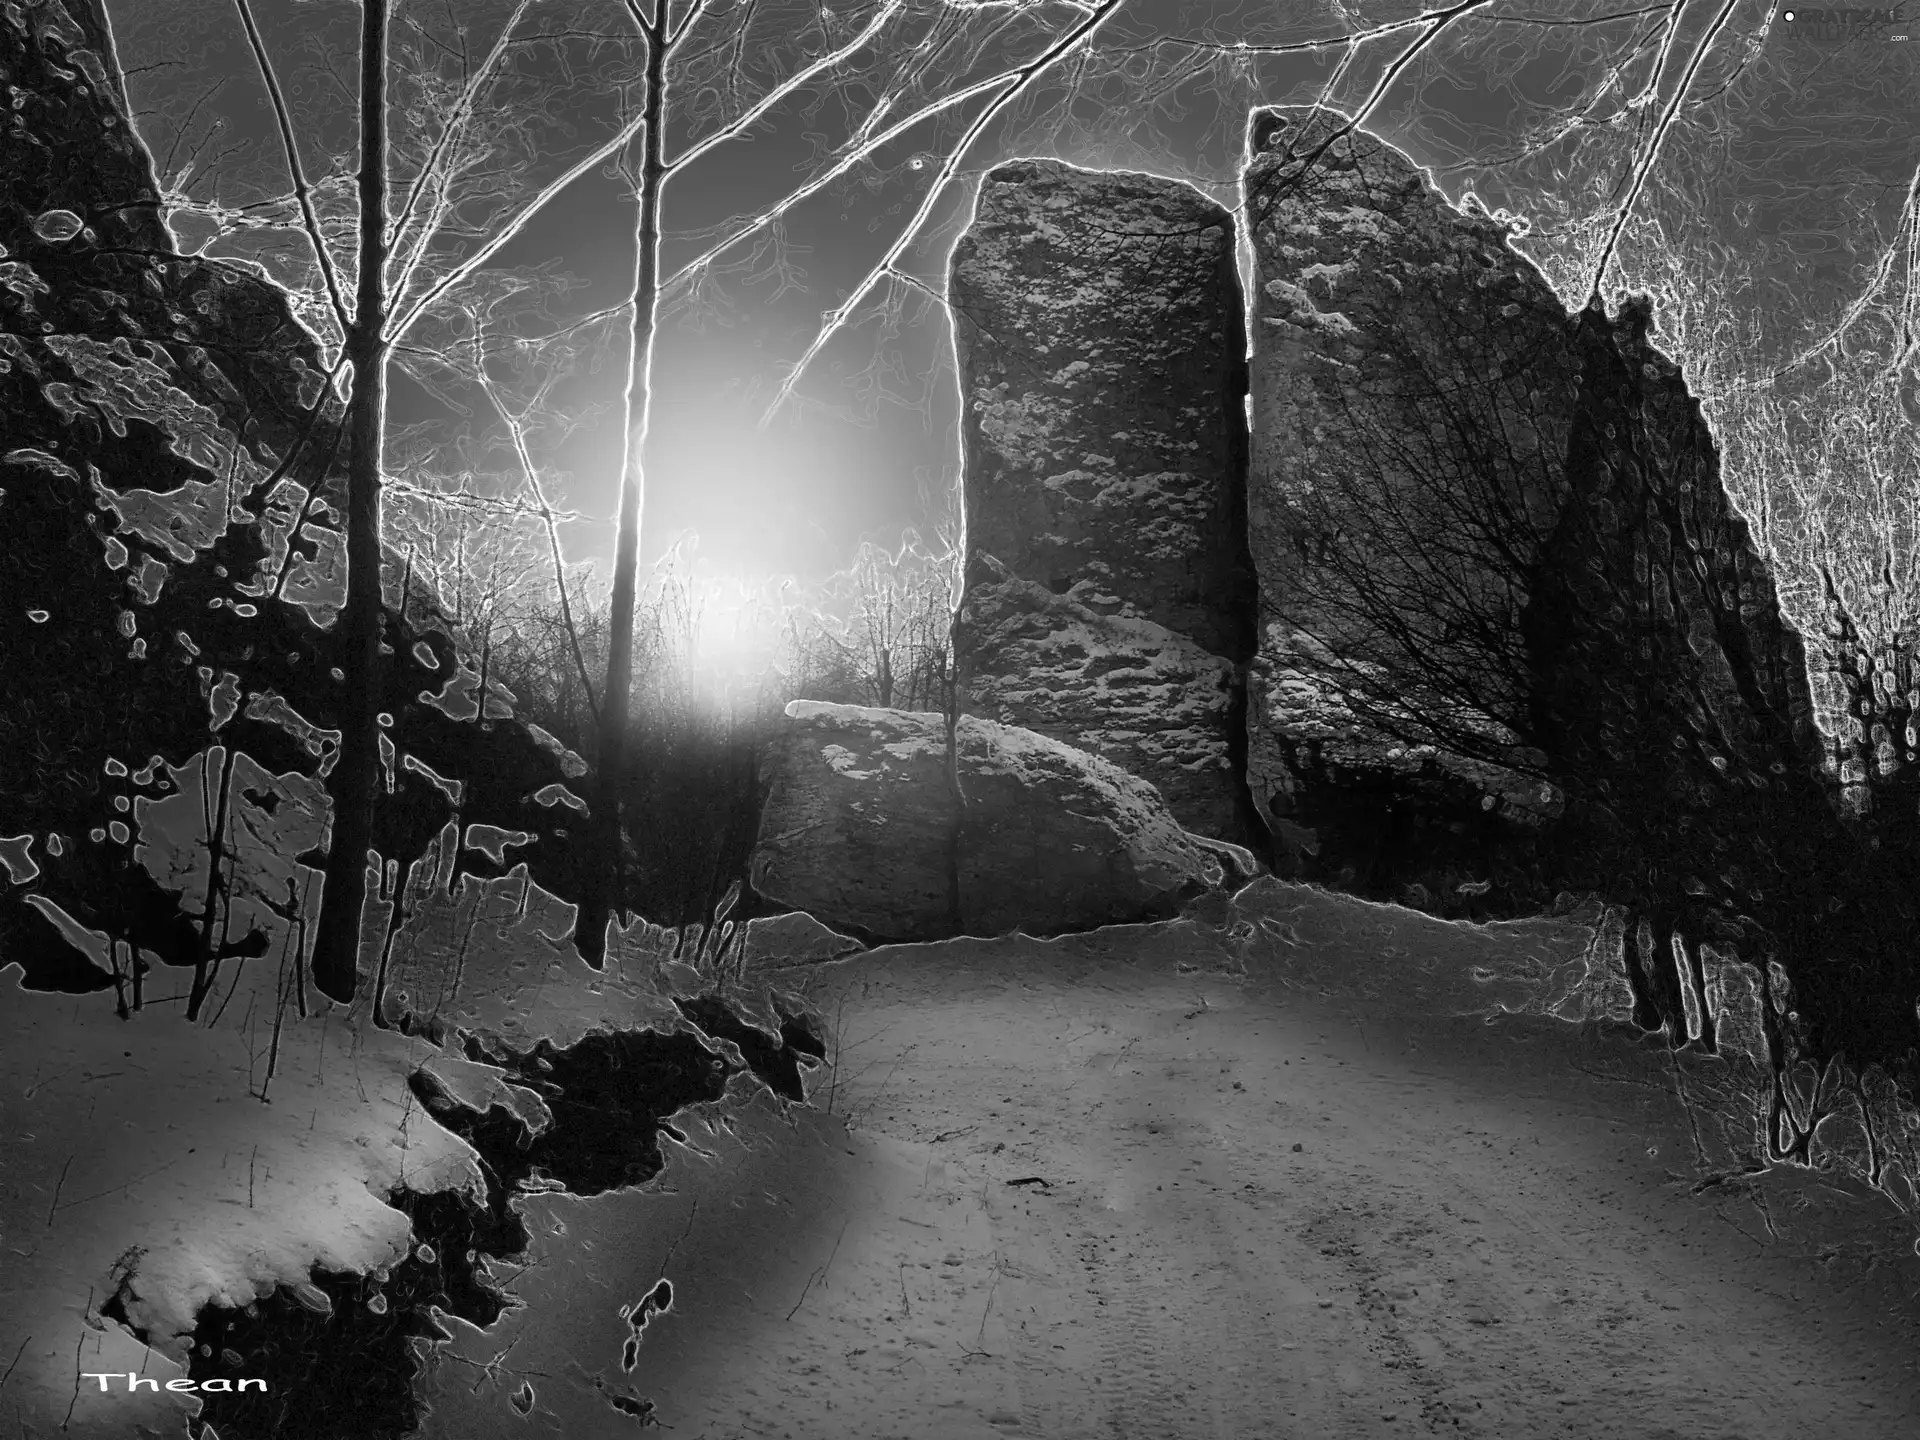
point(57, 1189)
point(111, 1189)
point(29, 1340)
point(76, 1378)
point(884, 1083)
point(838, 1031)
point(1693, 1123)
point(980, 1335)
point(683, 1235)
point(821, 1272)
point(1617, 1079)
point(34, 1088)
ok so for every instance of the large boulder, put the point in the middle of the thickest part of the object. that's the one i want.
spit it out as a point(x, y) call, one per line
point(861, 829)
point(1098, 331)
point(1413, 384)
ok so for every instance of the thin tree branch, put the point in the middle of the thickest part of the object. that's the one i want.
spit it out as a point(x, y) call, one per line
point(510, 231)
point(1645, 167)
point(300, 187)
point(516, 431)
point(687, 22)
point(819, 182)
point(747, 120)
point(1017, 81)
point(455, 126)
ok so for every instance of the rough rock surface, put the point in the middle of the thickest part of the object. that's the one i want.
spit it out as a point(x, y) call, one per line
point(1154, 702)
point(1511, 622)
point(1413, 383)
point(1098, 329)
point(859, 830)
point(173, 560)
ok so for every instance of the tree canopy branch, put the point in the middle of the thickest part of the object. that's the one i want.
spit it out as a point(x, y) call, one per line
point(300, 187)
point(1016, 81)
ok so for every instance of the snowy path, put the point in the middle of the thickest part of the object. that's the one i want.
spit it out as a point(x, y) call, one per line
point(1483, 1230)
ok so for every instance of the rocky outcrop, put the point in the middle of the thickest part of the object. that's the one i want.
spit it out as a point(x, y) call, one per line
point(173, 566)
point(1515, 636)
point(1413, 383)
point(1097, 323)
point(860, 829)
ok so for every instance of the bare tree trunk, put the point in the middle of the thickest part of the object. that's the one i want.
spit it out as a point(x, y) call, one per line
point(950, 702)
point(336, 946)
point(604, 879)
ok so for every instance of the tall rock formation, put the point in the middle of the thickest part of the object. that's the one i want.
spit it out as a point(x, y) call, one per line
point(1109, 592)
point(1413, 384)
point(1502, 582)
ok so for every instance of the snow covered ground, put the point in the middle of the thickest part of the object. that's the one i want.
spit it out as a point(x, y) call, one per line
point(1176, 1181)
point(1045, 1188)
point(1301, 1165)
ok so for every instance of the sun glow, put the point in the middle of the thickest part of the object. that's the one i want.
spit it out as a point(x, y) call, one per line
point(722, 635)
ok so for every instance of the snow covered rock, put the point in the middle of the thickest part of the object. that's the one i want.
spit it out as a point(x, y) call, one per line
point(1098, 330)
point(794, 938)
point(861, 829)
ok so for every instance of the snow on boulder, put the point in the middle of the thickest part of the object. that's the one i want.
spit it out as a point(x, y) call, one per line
point(155, 1167)
point(795, 938)
point(861, 828)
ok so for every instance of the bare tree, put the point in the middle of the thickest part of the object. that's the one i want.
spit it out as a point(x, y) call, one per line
point(897, 66)
point(884, 623)
point(434, 202)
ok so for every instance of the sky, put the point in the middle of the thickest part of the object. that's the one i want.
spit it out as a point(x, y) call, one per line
point(1804, 173)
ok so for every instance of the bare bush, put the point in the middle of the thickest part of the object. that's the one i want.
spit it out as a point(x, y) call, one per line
point(880, 631)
